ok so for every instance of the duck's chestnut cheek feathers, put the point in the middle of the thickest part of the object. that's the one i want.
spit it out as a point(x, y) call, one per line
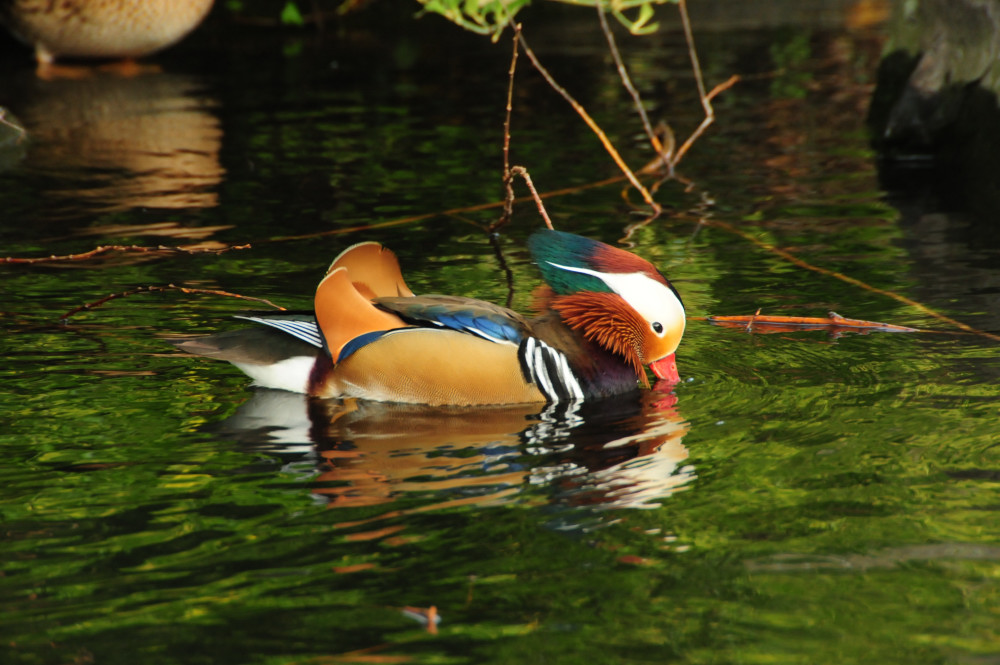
point(644, 299)
point(607, 320)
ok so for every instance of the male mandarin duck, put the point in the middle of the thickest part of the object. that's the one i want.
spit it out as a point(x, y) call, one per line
point(607, 313)
point(101, 28)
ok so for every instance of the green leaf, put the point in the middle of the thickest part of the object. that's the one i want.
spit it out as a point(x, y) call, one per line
point(641, 24)
point(291, 15)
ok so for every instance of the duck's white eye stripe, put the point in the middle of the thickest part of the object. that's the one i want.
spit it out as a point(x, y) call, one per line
point(584, 271)
point(653, 300)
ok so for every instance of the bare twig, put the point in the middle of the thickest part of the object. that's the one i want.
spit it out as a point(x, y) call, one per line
point(706, 98)
point(510, 102)
point(722, 87)
point(709, 117)
point(654, 140)
point(155, 289)
point(523, 172)
point(508, 177)
point(104, 249)
point(593, 126)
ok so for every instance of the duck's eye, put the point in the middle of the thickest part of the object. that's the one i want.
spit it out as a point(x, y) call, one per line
point(657, 327)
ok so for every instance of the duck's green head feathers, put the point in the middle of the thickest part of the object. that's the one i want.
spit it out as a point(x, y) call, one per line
point(562, 256)
point(572, 263)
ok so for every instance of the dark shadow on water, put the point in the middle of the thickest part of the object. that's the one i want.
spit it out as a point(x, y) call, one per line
point(935, 123)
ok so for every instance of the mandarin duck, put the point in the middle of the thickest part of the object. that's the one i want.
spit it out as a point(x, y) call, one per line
point(100, 28)
point(606, 314)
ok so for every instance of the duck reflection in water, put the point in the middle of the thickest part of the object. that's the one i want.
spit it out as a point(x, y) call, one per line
point(618, 453)
point(111, 143)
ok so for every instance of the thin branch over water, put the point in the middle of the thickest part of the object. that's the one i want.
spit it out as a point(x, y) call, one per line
point(594, 127)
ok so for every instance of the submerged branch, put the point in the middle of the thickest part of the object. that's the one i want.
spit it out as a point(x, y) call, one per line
point(136, 249)
point(412, 219)
point(791, 258)
point(834, 322)
point(155, 289)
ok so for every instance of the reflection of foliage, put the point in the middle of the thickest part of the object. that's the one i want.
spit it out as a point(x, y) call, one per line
point(489, 17)
point(792, 81)
point(290, 14)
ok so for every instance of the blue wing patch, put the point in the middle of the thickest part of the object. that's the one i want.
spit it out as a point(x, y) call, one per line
point(360, 341)
point(483, 326)
point(485, 320)
point(498, 330)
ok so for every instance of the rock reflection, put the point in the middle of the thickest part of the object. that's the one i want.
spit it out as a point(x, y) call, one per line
point(115, 142)
point(935, 121)
point(586, 457)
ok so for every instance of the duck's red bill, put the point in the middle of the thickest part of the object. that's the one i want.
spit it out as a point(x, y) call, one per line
point(666, 369)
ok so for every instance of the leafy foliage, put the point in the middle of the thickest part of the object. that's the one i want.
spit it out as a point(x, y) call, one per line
point(490, 17)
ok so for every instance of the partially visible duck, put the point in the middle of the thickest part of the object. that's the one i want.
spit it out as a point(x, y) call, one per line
point(606, 314)
point(101, 28)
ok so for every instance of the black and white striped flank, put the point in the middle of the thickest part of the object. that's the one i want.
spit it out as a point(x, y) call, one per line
point(549, 370)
